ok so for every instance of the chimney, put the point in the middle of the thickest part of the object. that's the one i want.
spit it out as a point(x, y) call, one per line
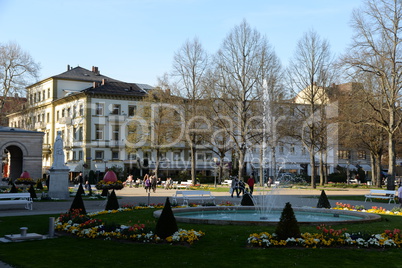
point(104, 80)
point(95, 70)
point(167, 91)
point(94, 84)
point(68, 67)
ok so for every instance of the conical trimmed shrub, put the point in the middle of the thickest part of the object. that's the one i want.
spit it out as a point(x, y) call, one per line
point(32, 192)
point(166, 225)
point(287, 226)
point(323, 201)
point(78, 204)
point(39, 185)
point(247, 200)
point(105, 192)
point(13, 188)
point(112, 203)
point(80, 190)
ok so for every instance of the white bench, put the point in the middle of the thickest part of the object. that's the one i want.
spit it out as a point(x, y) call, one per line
point(227, 182)
point(16, 198)
point(93, 189)
point(193, 195)
point(381, 194)
point(184, 184)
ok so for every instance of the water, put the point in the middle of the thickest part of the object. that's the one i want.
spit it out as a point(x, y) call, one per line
point(274, 216)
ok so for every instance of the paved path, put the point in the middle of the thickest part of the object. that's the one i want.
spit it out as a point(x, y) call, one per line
point(136, 196)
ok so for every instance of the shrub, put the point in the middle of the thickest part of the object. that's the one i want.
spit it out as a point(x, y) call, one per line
point(78, 204)
point(287, 226)
point(166, 225)
point(112, 203)
point(323, 201)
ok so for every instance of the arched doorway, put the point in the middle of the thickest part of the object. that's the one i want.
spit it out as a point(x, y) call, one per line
point(15, 161)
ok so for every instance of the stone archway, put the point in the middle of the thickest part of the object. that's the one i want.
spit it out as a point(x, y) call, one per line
point(22, 150)
point(15, 158)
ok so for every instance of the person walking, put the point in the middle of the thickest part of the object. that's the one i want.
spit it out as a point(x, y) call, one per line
point(251, 183)
point(234, 187)
point(153, 183)
point(147, 183)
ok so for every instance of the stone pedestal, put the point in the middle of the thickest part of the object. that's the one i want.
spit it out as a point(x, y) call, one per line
point(58, 183)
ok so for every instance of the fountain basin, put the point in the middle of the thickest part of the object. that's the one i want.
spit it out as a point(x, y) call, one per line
point(249, 215)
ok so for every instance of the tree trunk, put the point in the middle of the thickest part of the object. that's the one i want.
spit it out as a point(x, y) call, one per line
point(312, 165)
point(391, 162)
point(193, 164)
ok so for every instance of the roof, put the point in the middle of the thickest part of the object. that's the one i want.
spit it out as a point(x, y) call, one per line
point(14, 130)
point(117, 88)
point(82, 74)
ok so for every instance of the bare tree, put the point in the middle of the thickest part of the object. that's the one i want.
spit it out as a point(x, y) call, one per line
point(16, 68)
point(310, 73)
point(376, 49)
point(242, 65)
point(189, 66)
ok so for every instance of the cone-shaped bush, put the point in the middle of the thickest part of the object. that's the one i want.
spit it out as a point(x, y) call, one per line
point(112, 203)
point(287, 226)
point(246, 200)
point(166, 225)
point(80, 190)
point(78, 203)
point(105, 192)
point(13, 189)
point(32, 192)
point(39, 185)
point(323, 202)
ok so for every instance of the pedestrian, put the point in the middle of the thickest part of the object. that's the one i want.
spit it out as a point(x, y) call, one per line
point(79, 179)
point(147, 183)
point(153, 183)
point(400, 195)
point(251, 183)
point(234, 186)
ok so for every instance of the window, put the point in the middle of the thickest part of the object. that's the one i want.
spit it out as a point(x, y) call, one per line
point(38, 96)
point(343, 154)
point(63, 113)
point(48, 117)
point(43, 94)
point(116, 109)
point(98, 155)
point(48, 93)
point(147, 155)
point(162, 156)
point(57, 115)
point(115, 134)
point(200, 157)
point(361, 154)
point(132, 109)
point(281, 149)
point(98, 132)
point(132, 156)
point(208, 156)
point(81, 112)
point(99, 108)
point(80, 155)
point(74, 155)
point(304, 151)
point(177, 156)
point(115, 155)
point(292, 149)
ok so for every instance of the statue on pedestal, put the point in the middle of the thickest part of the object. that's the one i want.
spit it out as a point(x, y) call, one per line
point(58, 153)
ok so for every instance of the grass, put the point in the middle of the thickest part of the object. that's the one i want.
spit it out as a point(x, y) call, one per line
point(222, 246)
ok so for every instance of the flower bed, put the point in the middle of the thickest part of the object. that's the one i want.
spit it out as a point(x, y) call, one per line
point(109, 185)
point(25, 181)
point(330, 238)
point(86, 227)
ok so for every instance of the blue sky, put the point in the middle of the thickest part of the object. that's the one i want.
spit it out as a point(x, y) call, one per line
point(135, 40)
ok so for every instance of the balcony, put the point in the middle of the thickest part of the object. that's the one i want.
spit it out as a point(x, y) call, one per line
point(65, 120)
point(40, 125)
point(117, 143)
point(117, 118)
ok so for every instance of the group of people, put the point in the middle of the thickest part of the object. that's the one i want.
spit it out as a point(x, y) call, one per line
point(131, 182)
point(240, 188)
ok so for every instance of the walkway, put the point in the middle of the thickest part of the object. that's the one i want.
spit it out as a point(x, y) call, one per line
point(136, 196)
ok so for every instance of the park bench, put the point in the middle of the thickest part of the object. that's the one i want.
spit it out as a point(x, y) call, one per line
point(16, 198)
point(93, 189)
point(381, 194)
point(184, 184)
point(195, 195)
point(227, 182)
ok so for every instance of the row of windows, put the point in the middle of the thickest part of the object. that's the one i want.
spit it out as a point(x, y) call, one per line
point(39, 96)
point(70, 112)
point(345, 154)
point(115, 109)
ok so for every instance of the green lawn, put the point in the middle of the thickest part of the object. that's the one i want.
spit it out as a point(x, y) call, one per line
point(222, 246)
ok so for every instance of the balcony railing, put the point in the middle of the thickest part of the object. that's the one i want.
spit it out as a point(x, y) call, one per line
point(65, 120)
point(39, 125)
point(117, 118)
point(117, 143)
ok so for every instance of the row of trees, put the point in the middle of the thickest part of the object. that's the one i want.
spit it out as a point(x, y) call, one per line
point(230, 100)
